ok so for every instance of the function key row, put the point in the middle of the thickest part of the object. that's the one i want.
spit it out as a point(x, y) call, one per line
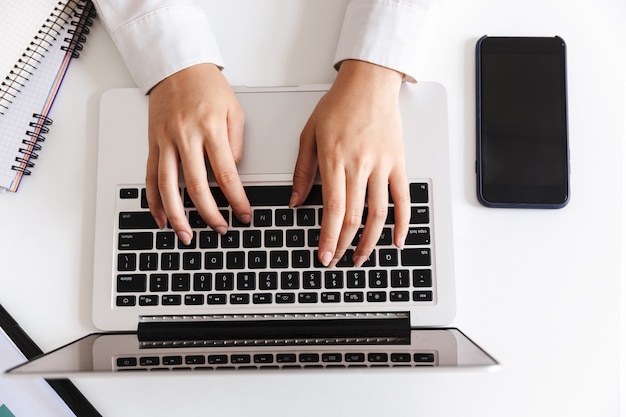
point(271, 298)
point(278, 358)
point(269, 195)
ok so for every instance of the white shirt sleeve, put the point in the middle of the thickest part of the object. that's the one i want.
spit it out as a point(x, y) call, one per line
point(158, 38)
point(384, 32)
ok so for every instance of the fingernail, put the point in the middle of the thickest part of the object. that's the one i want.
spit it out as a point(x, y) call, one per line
point(333, 262)
point(293, 199)
point(400, 242)
point(326, 258)
point(221, 230)
point(245, 218)
point(184, 237)
point(359, 260)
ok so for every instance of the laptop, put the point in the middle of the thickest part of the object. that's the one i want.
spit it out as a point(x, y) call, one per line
point(257, 298)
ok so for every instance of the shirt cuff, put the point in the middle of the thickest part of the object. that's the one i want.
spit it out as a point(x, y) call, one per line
point(164, 41)
point(384, 32)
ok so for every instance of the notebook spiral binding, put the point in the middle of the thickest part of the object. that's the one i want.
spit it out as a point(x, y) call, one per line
point(77, 13)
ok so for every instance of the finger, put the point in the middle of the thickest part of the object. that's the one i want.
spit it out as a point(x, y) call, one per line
point(235, 124)
point(306, 167)
point(225, 171)
point(197, 184)
point(334, 202)
point(355, 201)
point(377, 208)
point(170, 194)
point(152, 188)
point(399, 188)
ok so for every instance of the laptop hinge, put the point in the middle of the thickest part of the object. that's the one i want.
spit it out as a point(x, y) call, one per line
point(273, 326)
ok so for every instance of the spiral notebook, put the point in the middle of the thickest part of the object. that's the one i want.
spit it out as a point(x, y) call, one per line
point(39, 40)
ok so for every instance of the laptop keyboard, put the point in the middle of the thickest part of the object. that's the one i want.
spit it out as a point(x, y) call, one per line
point(271, 262)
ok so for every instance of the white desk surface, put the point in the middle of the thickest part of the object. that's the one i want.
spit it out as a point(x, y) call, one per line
point(540, 290)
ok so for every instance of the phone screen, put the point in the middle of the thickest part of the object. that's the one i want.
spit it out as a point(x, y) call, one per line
point(522, 146)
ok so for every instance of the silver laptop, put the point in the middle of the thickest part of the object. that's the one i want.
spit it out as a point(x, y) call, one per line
point(257, 298)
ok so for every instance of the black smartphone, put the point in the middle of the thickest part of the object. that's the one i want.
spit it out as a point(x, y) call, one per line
point(521, 106)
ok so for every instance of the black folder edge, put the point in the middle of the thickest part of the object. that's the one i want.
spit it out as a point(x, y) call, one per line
point(64, 388)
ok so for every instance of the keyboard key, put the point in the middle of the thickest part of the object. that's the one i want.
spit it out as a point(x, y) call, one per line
point(305, 217)
point(377, 357)
point(131, 283)
point(196, 221)
point(158, 282)
point(225, 281)
point(301, 259)
point(262, 298)
point(331, 297)
point(388, 257)
point(149, 361)
point(285, 298)
point(235, 260)
point(286, 357)
point(148, 261)
point(331, 357)
point(353, 297)
point(240, 298)
point(213, 260)
point(399, 296)
point(333, 279)
point(192, 261)
point(307, 297)
point(215, 299)
point(400, 357)
point(378, 278)
point(202, 281)
point(273, 238)
point(312, 280)
point(418, 236)
point(294, 238)
point(263, 358)
point(148, 300)
point(419, 215)
point(424, 357)
point(283, 217)
point(422, 296)
point(309, 357)
point(279, 259)
point(355, 279)
point(400, 278)
point(230, 240)
point(165, 240)
point(422, 278)
point(415, 257)
point(268, 280)
point(135, 241)
point(376, 296)
point(194, 299)
point(419, 192)
point(129, 193)
point(252, 239)
point(246, 281)
point(172, 360)
point(237, 359)
point(208, 239)
point(257, 260)
point(262, 218)
point(171, 300)
point(136, 220)
point(355, 357)
point(125, 300)
point(195, 360)
point(218, 359)
point(290, 280)
point(126, 262)
point(170, 261)
point(180, 282)
point(126, 362)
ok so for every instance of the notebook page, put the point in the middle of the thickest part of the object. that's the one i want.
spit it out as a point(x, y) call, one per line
point(19, 23)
